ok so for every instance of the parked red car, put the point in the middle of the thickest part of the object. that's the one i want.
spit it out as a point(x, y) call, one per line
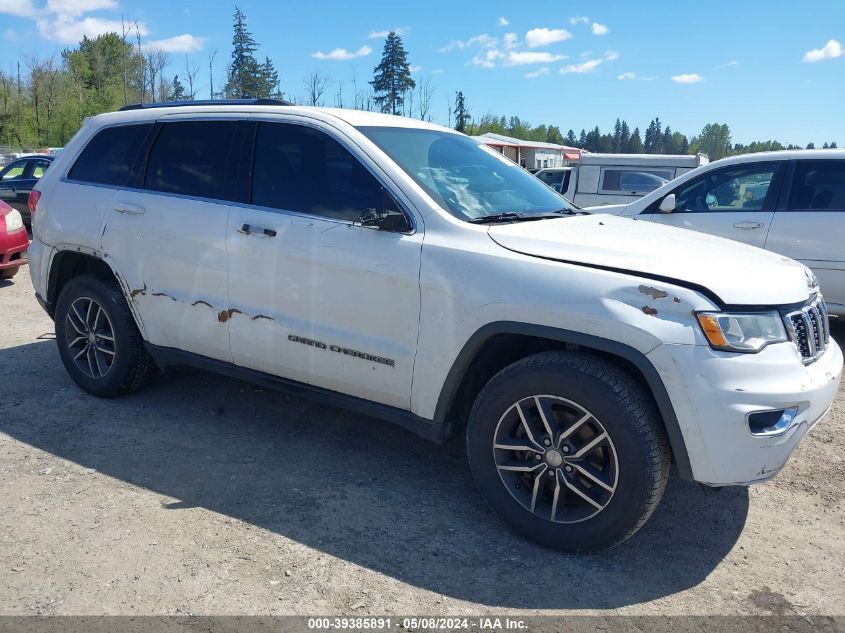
point(13, 241)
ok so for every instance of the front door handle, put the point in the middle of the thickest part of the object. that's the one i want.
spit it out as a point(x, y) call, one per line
point(247, 229)
point(129, 209)
point(748, 225)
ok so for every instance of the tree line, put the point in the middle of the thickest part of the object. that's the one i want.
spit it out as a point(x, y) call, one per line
point(713, 140)
point(45, 102)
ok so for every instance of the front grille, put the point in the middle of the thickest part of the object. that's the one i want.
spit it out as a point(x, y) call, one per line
point(809, 330)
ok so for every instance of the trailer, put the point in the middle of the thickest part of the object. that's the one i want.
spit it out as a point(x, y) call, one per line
point(600, 179)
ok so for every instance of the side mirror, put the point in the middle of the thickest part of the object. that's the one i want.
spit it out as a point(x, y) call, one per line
point(386, 220)
point(668, 204)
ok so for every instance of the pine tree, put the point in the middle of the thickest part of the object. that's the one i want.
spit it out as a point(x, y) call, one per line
point(269, 81)
point(177, 91)
point(616, 145)
point(582, 140)
point(392, 77)
point(461, 113)
point(571, 141)
point(245, 79)
point(653, 138)
point(593, 140)
point(635, 146)
point(668, 144)
point(624, 137)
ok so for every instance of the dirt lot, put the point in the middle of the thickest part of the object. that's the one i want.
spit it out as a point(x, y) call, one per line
point(205, 495)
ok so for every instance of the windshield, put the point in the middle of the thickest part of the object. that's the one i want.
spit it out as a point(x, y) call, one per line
point(467, 178)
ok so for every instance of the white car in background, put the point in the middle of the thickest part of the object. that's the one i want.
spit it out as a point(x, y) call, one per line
point(789, 202)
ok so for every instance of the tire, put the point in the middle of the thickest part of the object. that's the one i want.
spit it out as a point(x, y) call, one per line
point(115, 362)
point(620, 477)
point(8, 273)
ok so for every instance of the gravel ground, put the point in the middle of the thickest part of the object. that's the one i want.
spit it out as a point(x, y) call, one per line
point(206, 495)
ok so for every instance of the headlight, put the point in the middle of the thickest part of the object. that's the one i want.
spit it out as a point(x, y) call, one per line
point(13, 221)
point(749, 332)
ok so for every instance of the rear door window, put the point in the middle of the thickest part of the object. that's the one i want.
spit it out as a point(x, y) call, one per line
point(110, 157)
point(818, 185)
point(192, 158)
point(39, 167)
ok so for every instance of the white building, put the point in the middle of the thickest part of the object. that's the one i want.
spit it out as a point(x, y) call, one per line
point(531, 154)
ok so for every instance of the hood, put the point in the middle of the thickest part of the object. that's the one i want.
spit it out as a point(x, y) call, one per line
point(736, 273)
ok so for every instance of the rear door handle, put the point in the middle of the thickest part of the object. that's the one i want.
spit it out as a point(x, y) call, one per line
point(129, 209)
point(247, 229)
point(748, 225)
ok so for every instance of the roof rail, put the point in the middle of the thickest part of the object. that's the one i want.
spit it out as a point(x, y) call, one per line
point(214, 102)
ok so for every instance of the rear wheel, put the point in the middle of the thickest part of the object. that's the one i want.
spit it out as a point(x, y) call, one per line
point(99, 343)
point(569, 450)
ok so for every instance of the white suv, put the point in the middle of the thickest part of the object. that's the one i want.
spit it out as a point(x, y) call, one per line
point(790, 202)
point(407, 271)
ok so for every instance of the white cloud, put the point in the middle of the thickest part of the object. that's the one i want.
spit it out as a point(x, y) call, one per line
point(185, 43)
point(503, 21)
point(78, 7)
point(688, 78)
point(579, 20)
point(599, 29)
point(19, 8)
point(510, 40)
point(68, 30)
point(67, 22)
point(482, 40)
point(544, 36)
point(590, 65)
point(487, 59)
point(630, 76)
point(342, 55)
point(437, 71)
point(415, 69)
point(831, 50)
point(537, 73)
point(399, 30)
point(733, 62)
point(523, 58)
point(584, 67)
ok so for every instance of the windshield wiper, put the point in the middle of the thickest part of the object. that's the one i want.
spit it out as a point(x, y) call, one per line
point(510, 216)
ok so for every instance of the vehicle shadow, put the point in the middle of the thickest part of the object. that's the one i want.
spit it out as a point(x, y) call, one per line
point(353, 487)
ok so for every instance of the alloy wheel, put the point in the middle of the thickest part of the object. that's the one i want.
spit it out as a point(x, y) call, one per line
point(90, 337)
point(555, 458)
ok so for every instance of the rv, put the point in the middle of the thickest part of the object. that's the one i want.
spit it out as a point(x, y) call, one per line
point(600, 179)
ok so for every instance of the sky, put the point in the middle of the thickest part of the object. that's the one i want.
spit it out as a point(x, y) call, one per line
point(771, 70)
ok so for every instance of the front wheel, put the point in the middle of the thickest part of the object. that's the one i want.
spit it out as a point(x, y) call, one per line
point(8, 273)
point(569, 450)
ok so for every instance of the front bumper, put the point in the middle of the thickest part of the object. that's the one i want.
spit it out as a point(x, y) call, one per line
point(714, 392)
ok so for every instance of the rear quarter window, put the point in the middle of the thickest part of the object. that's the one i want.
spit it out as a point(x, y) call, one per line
point(110, 156)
